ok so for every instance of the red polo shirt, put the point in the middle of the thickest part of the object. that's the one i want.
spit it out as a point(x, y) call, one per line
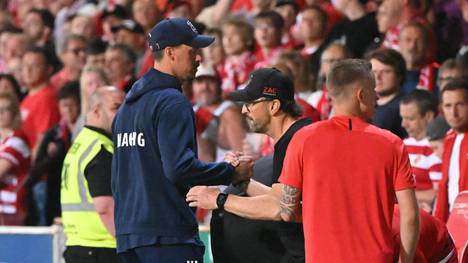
point(348, 171)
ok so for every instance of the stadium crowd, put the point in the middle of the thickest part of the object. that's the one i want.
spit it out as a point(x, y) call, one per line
point(54, 54)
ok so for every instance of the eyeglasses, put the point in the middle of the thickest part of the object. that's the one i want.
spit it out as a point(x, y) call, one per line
point(77, 51)
point(249, 105)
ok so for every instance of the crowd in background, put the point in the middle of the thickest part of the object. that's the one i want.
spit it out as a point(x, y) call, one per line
point(55, 53)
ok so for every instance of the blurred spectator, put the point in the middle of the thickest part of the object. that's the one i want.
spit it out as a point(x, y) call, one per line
point(225, 127)
point(8, 84)
point(38, 25)
point(179, 8)
point(398, 13)
point(214, 54)
point(300, 74)
point(70, 8)
point(120, 66)
point(92, 78)
point(95, 52)
point(313, 29)
point(417, 109)
point(358, 30)
point(414, 48)
point(73, 57)
point(319, 99)
point(112, 16)
point(454, 167)
point(39, 110)
point(268, 33)
point(39, 113)
point(131, 34)
point(145, 13)
point(16, 44)
point(54, 146)
point(288, 9)
point(83, 25)
point(238, 43)
point(389, 70)
point(15, 158)
point(448, 71)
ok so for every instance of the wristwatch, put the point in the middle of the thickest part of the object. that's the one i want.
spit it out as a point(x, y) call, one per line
point(221, 200)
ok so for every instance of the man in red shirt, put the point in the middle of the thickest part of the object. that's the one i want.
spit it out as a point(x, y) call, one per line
point(347, 173)
point(39, 110)
point(455, 157)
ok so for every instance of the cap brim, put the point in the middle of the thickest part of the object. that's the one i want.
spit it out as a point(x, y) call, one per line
point(239, 95)
point(201, 41)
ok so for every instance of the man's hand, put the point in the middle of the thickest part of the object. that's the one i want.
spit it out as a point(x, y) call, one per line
point(203, 197)
point(244, 170)
point(232, 158)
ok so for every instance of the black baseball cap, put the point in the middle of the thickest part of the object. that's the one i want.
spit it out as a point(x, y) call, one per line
point(129, 25)
point(266, 82)
point(172, 32)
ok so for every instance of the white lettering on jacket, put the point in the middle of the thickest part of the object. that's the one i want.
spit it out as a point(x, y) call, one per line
point(130, 139)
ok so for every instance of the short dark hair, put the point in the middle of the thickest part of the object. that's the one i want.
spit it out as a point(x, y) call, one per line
point(456, 84)
point(158, 55)
point(96, 46)
point(70, 89)
point(391, 58)
point(275, 18)
point(128, 53)
point(42, 52)
point(291, 108)
point(46, 16)
point(348, 71)
point(424, 100)
point(16, 86)
point(69, 38)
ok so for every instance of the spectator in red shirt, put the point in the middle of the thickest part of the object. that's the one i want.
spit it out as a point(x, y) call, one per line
point(313, 29)
point(435, 243)
point(15, 158)
point(414, 45)
point(455, 163)
point(120, 66)
point(417, 109)
point(73, 57)
point(322, 170)
point(214, 55)
point(238, 43)
point(145, 13)
point(39, 110)
point(268, 33)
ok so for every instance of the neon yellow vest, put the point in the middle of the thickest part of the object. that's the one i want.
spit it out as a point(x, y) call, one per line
point(81, 223)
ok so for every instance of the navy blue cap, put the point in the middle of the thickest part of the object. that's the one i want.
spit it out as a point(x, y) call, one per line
point(266, 82)
point(172, 32)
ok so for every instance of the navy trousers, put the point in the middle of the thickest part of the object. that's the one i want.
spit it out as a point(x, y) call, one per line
point(180, 253)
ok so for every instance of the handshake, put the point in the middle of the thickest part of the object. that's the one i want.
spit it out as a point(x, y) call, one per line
point(243, 165)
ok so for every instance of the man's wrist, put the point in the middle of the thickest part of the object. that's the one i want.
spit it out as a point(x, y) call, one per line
point(242, 186)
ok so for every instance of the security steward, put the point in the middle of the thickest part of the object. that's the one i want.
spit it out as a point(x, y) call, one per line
point(86, 197)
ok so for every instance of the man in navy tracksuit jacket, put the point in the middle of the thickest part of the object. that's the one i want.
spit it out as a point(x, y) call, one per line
point(155, 159)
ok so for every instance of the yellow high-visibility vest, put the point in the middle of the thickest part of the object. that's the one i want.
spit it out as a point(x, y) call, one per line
point(81, 223)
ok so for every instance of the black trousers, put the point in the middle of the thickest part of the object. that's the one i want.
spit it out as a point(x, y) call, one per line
point(79, 254)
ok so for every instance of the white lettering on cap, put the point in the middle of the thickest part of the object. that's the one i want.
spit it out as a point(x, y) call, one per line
point(192, 27)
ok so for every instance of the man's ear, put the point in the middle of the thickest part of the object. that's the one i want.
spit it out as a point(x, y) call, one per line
point(360, 94)
point(169, 52)
point(429, 116)
point(275, 106)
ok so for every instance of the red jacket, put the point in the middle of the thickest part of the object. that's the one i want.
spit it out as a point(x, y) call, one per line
point(442, 203)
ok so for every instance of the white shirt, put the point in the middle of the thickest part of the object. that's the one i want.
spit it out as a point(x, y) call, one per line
point(454, 170)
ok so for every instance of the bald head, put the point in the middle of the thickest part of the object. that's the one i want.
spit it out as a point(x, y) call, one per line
point(103, 104)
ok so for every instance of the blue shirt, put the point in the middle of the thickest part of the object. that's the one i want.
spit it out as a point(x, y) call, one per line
point(155, 164)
